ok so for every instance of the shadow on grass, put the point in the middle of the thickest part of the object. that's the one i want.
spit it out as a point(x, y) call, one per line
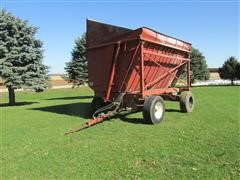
point(81, 109)
point(173, 110)
point(124, 117)
point(131, 120)
point(70, 98)
point(17, 104)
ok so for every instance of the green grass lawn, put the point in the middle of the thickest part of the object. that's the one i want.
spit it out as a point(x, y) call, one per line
point(203, 144)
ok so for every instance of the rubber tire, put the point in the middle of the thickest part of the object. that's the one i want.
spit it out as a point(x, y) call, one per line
point(96, 104)
point(187, 101)
point(148, 110)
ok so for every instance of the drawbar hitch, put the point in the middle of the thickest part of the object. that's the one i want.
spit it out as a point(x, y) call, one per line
point(112, 109)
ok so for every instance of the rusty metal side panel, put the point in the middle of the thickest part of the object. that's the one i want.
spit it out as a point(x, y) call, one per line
point(100, 64)
point(98, 33)
point(160, 60)
point(128, 59)
point(154, 67)
point(151, 35)
point(167, 64)
point(99, 68)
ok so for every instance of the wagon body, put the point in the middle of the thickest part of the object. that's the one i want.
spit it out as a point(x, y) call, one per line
point(139, 62)
point(135, 68)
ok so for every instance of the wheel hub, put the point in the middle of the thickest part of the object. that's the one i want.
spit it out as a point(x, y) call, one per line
point(158, 110)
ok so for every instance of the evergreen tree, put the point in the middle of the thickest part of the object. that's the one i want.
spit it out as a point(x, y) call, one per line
point(230, 69)
point(198, 66)
point(77, 68)
point(238, 71)
point(21, 56)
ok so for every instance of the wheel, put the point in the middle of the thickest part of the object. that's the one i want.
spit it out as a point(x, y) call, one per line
point(153, 110)
point(97, 103)
point(186, 101)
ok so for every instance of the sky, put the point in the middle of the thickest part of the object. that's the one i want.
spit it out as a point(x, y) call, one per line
point(210, 26)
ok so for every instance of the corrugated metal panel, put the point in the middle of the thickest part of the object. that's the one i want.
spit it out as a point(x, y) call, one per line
point(163, 58)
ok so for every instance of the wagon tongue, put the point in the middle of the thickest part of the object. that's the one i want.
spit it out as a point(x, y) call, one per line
point(90, 123)
point(112, 109)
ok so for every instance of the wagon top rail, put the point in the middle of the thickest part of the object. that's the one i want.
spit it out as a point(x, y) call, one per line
point(108, 34)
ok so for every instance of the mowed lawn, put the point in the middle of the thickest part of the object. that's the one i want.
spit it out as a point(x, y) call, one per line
point(203, 144)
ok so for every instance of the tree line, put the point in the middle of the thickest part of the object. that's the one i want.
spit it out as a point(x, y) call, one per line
point(21, 59)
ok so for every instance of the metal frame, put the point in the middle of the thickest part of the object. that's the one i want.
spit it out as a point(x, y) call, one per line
point(145, 89)
point(113, 71)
